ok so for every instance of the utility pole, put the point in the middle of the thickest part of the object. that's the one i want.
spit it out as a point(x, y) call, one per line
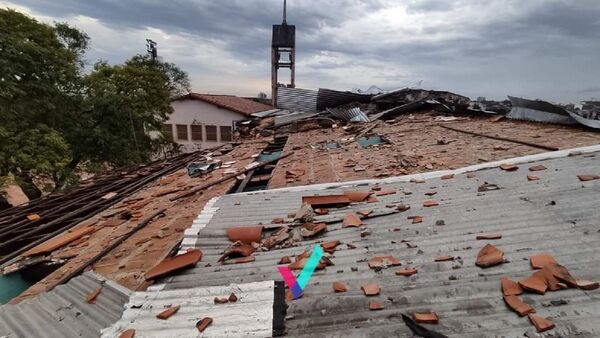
point(283, 44)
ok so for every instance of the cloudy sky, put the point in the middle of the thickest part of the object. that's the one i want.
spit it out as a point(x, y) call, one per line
point(536, 48)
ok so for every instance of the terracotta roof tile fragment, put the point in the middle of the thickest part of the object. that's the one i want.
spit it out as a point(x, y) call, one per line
point(202, 324)
point(443, 258)
point(330, 246)
point(518, 306)
point(587, 285)
point(535, 283)
point(370, 289)
point(539, 261)
point(431, 193)
point(351, 220)
point(585, 178)
point(233, 298)
point(402, 207)
point(168, 312)
point(426, 317)
point(33, 217)
point(285, 260)
point(508, 167)
point(487, 187)
point(537, 167)
point(541, 324)
point(245, 234)
point(510, 287)
point(375, 306)
point(339, 287)
point(59, 241)
point(488, 256)
point(127, 334)
point(532, 178)
point(383, 261)
point(430, 203)
point(416, 219)
point(172, 264)
point(561, 273)
point(447, 177)
point(384, 192)
point(372, 199)
point(357, 196)
point(243, 250)
point(326, 200)
point(321, 211)
point(91, 298)
point(312, 229)
point(240, 260)
point(219, 300)
point(489, 236)
point(406, 272)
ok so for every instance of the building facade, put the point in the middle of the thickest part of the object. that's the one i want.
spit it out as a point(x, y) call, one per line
point(202, 121)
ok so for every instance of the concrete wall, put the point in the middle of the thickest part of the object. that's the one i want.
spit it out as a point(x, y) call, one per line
point(195, 112)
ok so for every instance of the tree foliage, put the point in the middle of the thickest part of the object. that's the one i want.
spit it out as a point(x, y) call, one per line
point(56, 117)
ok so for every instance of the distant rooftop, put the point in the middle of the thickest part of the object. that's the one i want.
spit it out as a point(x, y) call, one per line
point(230, 102)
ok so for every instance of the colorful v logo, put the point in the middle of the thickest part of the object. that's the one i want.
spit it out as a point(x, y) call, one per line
point(297, 285)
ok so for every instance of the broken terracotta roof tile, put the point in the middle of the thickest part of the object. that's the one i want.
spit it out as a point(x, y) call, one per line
point(537, 167)
point(127, 334)
point(365, 213)
point(372, 199)
point(59, 241)
point(534, 283)
point(443, 258)
point(326, 200)
point(402, 207)
point(339, 287)
point(431, 193)
point(299, 264)
point(510, 287)
point(532, 178)
point(383, 192)
point(376, 187)
point(488, 256)
point(489, 236)
point(115, 222)
point(375, 306)
point(168, 312)
point(321, 211)
point(91, 298)
point(243, 250)
point(285, 260)
point(447, 177)
point(370, 289)
point(585, 178)
point(416, 219)
point(586, 284)
point(312, 229)
point(33, 217)
point(430, 203)
point(508, 167)
point(426, 317)
point(417, 180)
point(240, 260)
point(357, 196)
point(406, 272)
point(330, 246)
point(245, 234)
point(277, 220)
point(541, 324)
point(383, 261)
point(219, 300)
point(518, 306)
point(539, 261)
point(351, 220)
point(172, 264)
point(487, 187)
point(232, 298)
point(202, 324)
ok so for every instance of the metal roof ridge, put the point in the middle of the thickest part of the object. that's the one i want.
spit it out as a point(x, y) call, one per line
point(435, 174)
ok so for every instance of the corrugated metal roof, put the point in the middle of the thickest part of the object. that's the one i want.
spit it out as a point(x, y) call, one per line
point(297, 99)
point(63, 312)
point(251, 315)
point(557, 215)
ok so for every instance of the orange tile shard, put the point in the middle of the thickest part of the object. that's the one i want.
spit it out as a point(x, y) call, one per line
point(489, 256)
point(541, 324)
point(426, 317)
point(59, 241)
point(508, 167)
point(375, 306)
point(202, 324)
point(168, 312)
point(33, 217)
point(406, 272)
point(489, 236)
point(510, 287)
point(245, 235)
point(518, 306)
point(416, 219)
point(91, 298)
point(370, 289)
point(587, 285)
point(127, 334)
point(539, 261)
point(538, 167)
point(357, 196)
point(330, 246)
point(384, 192)
point(430, 203)
point(535, 283)
point(383, 261)
point(443, 258)
point(172, 264)
point(326, 200)
point(532, 178)
point(447, 177)
point(339, 287)
point(351, 220)
point(585, 178)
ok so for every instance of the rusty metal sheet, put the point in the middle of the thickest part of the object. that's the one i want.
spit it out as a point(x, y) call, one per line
point(172, 264)
point(59, 241)
point(325, 200)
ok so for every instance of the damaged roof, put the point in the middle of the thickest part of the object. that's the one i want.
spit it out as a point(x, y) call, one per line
point(234, 103)
point(555, 214)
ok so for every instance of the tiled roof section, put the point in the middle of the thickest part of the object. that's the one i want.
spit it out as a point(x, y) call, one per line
point(230, 102)
point(63, 312)
point(556, 215)
point(251, 315)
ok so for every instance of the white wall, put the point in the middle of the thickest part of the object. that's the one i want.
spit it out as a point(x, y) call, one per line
point(197, 112)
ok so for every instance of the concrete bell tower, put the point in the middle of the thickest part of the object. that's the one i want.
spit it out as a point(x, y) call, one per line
point(283, 54)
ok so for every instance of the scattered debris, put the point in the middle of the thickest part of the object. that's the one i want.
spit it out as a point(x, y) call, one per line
point(539, 261)
point(339, 287)
point(488, 187)
point(444, 259)
point(489, 237)
point(541, 324)
point(416, 219)
point(202, 324)
point(245, 235)
point(370, 289)
point(532, 178)
point(375, 306)
point(488, 256)
point(326, 200)
point(383, 262)
point(233, 298)
point(130, 333)
point(426, 317)
point(537, 167)
point(518, 306)
point(406, 272)
point(351, 220)
point(510, 287)
point(172, 264)
point(168, 312)
point(430, 203)
point(91, 298)
point(585, 178)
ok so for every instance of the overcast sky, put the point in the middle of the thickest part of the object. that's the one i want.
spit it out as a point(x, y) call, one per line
point(536, 48)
